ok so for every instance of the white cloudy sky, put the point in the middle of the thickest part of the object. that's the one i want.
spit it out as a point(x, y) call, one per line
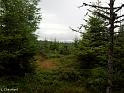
point(59, 15)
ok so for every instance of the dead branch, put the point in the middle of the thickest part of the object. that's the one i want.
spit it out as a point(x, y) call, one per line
point(102, 15)
point(119, 8)
point(108, 13)
point(116, 26)
point(76, 30)
point(120, 16)
point(94, 6)
point(119, 21)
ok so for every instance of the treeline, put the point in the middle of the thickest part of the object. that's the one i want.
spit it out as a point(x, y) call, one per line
point(55, 48)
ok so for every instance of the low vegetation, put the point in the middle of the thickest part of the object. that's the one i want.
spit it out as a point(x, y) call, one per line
point(54, 75)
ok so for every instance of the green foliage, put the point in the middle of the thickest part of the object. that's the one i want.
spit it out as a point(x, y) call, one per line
point(92, 54)
point(119, 62)
point(53, 49)
point(98, 80)
point(64, 79)
point(93, 45)
point(18, 21)
point(36, 84)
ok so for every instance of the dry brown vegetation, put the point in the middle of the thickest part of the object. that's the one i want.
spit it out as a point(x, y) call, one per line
point(47, 64)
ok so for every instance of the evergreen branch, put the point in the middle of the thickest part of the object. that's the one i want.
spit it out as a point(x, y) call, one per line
point(107, 24)
point(85, 20)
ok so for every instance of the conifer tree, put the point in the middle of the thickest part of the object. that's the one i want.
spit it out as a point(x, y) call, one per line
point(109, 13)
point(18, 21)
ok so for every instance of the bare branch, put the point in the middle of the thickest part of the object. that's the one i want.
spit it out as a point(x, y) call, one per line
point(90, 10)
point(76, 30)
point(120, 16)
point(94, 6)
point(86, 14)
point(81, 26)
point(116, 26)
point(102, 15)
point(104, 11)
point(119, 8)
point(119, 21)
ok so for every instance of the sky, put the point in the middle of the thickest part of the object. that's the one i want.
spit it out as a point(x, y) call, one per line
point(59, 15)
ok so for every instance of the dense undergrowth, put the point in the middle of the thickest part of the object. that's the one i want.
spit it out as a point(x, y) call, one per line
point(65, 78)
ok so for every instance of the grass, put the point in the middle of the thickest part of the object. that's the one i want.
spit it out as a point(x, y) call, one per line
point(55, 75)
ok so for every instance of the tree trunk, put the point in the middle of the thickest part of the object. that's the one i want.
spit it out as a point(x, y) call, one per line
point(110, 50)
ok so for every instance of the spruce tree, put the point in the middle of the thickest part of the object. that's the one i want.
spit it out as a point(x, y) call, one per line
point(92, 53)
point(18, 21)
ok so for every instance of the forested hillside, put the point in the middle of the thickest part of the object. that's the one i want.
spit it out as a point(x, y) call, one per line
point(94, 63)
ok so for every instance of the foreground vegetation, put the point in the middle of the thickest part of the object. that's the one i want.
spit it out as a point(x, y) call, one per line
point(62, 77)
